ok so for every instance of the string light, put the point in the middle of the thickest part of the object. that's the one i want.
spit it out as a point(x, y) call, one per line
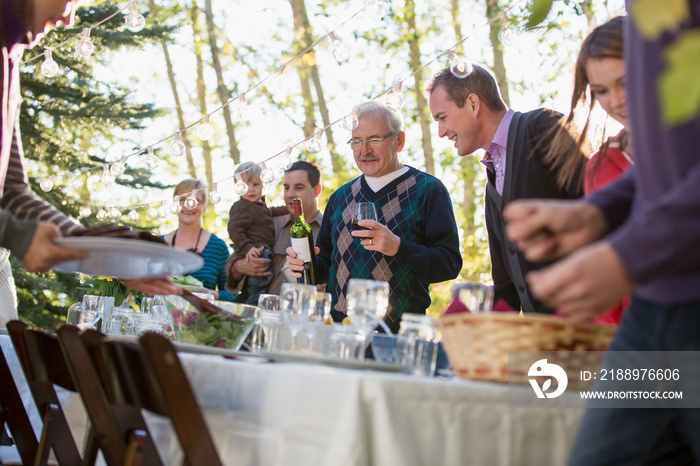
point(101, 214)
point(274, 82)
point(49, 67)
point(205, 130)
point(394, 98)
point(114, 213)
point(152, 160)
point(375, 9)
point(242, 108)
point(84, 211)
point(175, 207)
point(134, 20)
point(133, 216)
point(46, 184)
point(266, 175)
point(349, 122)
point(117, 168)
point(177, 148)
point(108, 177)
point(191, 202)
point(314, 143)
point(285, 161)
point(75, 181)
point(162, 210)
point(152, 213)
point(459, 67)
point(85, 47)
point(214, 195)
point(341, 50)
point(240, 187)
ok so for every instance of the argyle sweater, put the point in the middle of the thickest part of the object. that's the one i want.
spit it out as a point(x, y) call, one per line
point(417, 208)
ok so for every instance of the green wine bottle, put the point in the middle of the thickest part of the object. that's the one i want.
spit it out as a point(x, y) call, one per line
point(303, 244)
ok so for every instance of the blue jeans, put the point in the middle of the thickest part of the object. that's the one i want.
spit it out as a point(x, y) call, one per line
point(259, 285)
point(619, 436)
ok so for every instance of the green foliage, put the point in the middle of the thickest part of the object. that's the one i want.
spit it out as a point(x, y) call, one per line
point(538, 12)
point(653, 18)
point(679, 87)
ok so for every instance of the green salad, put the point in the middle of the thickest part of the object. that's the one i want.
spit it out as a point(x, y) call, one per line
point(209, 329)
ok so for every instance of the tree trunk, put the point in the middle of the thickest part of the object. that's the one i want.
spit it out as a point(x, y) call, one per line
point(201, 89)
point(499, 67)
point(176, 98)
point(224, 94)
point(422, 104)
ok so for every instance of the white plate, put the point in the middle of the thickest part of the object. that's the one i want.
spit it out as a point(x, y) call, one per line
point(128, 258)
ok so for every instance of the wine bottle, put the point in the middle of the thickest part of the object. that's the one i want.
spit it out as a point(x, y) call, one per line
point(303, 244)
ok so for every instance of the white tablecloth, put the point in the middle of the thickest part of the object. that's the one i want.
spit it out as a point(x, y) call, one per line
point(297, 414)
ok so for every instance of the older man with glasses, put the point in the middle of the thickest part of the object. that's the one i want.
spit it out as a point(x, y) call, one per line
point(414, 241)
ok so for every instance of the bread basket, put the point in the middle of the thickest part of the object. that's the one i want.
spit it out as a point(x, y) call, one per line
point(478, 345)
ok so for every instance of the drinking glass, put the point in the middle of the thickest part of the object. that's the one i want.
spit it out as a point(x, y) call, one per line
point(265, 326)
point(75, 317)
point(321, 311)
point(296, 303)
point(120, 322)
point(363, 211)
point(367, 304)
point(93, 308)
point(144, 322)
point(477, 297)
point(269, 302)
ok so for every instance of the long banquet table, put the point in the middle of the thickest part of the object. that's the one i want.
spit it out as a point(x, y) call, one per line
point(301, 414)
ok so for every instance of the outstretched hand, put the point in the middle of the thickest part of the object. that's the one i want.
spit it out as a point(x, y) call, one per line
point(42, 253)
point(549, 229)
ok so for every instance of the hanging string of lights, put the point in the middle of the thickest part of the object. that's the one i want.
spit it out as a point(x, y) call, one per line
point(393, 96)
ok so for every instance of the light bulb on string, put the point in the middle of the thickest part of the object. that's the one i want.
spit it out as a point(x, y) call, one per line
point(107, 177)
point(215, 195)
point(266, 175)
point(152, 213)
point(75, 181)
point(46, 184)
point(114, 213)
point(175, 207)
point(394, 99)
point(84, 211)
point(177, 148)
point(375, 9)
point(101, 214)
point(285, 161)
point(349, 122)
point(117, 168)
point(205, 131)
point(274, 82)
point(314, 143)
point(191, 201)
point(133, 216)
point(459, 67)
point(85, 47)
point(242, 108)
point(134, 20)
point(163, 210)
point(49, 67)
point(240, 187)
point(152, 160)
point(341, 50)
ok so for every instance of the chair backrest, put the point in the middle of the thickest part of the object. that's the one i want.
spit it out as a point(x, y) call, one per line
point(174, 387)
point(13, 414)
point(110, 403)
point(44, 366)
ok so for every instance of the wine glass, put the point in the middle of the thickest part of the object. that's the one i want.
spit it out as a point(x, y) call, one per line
point(93, 308)
point(367, 303)
point(297, 304)
point(363, 211)
point(321, 311)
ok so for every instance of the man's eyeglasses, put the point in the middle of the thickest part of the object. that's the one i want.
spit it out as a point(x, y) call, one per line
point(356, 144)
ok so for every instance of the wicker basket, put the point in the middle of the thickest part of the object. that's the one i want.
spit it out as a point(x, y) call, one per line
point(478, 344)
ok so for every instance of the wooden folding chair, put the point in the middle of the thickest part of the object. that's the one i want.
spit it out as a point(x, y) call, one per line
point(175, 389)
point(110, 403)
point(44, 366)
point(13, 414)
